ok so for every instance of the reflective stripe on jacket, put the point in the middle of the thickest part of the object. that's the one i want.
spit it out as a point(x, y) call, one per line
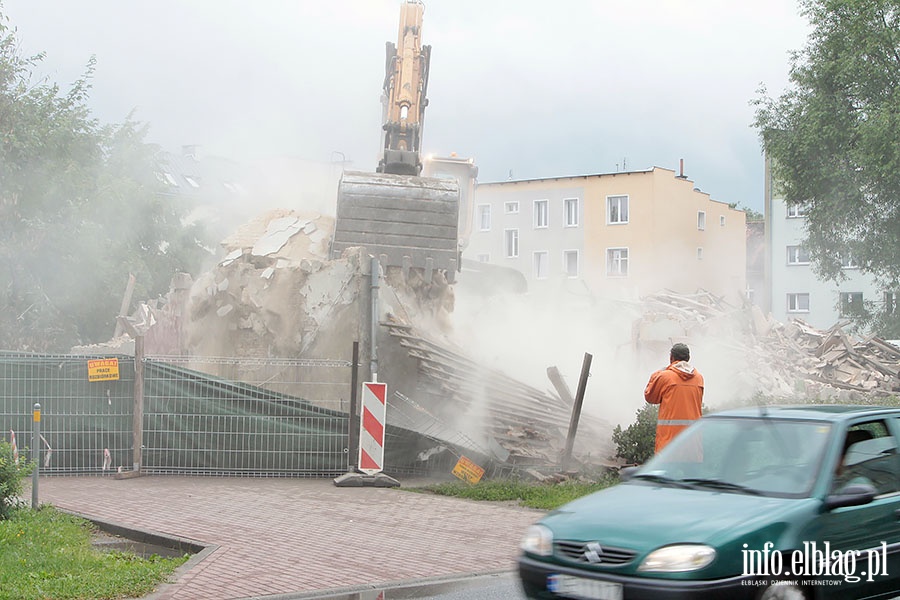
point(678, 390)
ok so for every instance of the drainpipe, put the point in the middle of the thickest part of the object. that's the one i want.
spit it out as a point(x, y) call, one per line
point(374, 344)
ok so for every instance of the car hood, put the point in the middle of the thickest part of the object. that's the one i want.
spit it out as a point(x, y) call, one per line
point(643, 517)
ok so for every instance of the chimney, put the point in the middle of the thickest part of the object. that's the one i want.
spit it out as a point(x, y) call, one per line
point(681, 174)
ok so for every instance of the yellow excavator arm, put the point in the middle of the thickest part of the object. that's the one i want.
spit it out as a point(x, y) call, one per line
point(405, 86)
point(408, 221)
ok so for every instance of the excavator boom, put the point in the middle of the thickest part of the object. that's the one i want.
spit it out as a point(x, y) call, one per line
point(410, 221)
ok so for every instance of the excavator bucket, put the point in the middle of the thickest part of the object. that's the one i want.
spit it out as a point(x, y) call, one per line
point(407, 221)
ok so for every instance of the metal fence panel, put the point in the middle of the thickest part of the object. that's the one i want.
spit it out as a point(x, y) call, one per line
point(86, 426)
point(261, 417)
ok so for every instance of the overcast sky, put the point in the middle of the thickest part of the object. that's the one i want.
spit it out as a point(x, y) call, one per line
point(535, 89)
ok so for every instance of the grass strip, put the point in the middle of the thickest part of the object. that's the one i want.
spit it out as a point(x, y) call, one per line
point(543, 496)
point(46, 554)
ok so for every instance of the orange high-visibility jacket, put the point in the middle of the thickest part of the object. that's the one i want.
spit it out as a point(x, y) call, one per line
point(678, 389)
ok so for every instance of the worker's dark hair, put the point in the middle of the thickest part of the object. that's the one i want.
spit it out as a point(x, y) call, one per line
point(680, 352)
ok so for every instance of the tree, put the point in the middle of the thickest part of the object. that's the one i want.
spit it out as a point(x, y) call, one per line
point(80, 208)
point(834, 137)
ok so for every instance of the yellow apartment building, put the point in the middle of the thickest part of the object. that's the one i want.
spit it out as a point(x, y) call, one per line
point(622, 235)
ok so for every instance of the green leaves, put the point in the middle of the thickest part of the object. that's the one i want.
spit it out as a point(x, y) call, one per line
point(80, 209)
point(834, 136)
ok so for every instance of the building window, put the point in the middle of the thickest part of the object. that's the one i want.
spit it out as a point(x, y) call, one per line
point(484, 217)
point(796, 211)
point(798, 303)
point(847, 262)
point(617, 262)
point(571, 208)
point(511, 207)
point(722, 221)
point(699, 253)
point(541, 213)
point(797, 255)
point(570, 263)
point(511, 242)
point(701, 220)
point(541, 262)
point(616, 210)
point(483, 258)
point(891, 301)
point(851, 304)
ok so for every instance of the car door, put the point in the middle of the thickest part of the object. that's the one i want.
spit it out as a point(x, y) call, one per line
point(866, 538)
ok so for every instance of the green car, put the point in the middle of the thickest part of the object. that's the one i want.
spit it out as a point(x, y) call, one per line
point(795, 502)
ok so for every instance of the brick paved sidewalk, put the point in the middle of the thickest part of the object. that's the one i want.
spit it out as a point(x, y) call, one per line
point(280, 536)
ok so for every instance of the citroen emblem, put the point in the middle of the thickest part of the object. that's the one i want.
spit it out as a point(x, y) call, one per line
point(593, 553)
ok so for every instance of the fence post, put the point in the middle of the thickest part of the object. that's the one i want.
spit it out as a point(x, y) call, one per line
point(36, 454)
point(138, 417)
point(137, 422)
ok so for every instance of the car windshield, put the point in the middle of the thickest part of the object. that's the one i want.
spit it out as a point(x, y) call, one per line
point(762, 456)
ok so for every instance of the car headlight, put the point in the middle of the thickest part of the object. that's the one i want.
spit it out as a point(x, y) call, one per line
point(679, 558)
point(538, 540)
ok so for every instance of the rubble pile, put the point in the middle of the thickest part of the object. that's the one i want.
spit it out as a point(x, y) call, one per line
point(522, 425)
point(274, 290)
point(793, 361)
point(869, 365)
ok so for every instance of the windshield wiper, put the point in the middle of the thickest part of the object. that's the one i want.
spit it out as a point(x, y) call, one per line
point(661, 479)
point(720, 485)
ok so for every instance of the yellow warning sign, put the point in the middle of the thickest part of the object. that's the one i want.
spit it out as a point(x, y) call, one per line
point(105, 369)
point(466, 470)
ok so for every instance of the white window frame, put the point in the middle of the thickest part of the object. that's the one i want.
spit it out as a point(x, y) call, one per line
point(511, 207)
point(848, 262)
point(484, 217)
point(846, 299)
point(796, 211)
point(890, 301)
point(540, 264)
point(565, 265)
point(700, 253)
point(541, 214)
point(511, 243)
point(796, 255)
point(795, 302)
point(571, 209)
point(721, 220)
point(701, 220)
point(619, 200)
point(618, 257)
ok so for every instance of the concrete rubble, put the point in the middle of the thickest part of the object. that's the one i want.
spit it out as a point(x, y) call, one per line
point(790, 361)
point(276, 294)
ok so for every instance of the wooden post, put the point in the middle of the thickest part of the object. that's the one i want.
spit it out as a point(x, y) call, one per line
point(576, 410)
point(126, 302)
point(561, 388)
point(137, 421)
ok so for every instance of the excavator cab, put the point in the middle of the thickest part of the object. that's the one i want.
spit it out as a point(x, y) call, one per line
point(407, 220)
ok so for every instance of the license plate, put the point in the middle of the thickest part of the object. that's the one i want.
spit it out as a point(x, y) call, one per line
point(587, 589)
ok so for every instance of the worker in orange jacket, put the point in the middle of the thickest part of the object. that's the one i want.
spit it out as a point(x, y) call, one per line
point(678, 390)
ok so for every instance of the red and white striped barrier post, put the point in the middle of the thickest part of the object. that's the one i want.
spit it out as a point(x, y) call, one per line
point(371, 433)
point(370, 459)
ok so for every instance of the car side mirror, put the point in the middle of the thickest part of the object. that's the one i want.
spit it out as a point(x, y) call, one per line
point(852, 494)
point(626, 473)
